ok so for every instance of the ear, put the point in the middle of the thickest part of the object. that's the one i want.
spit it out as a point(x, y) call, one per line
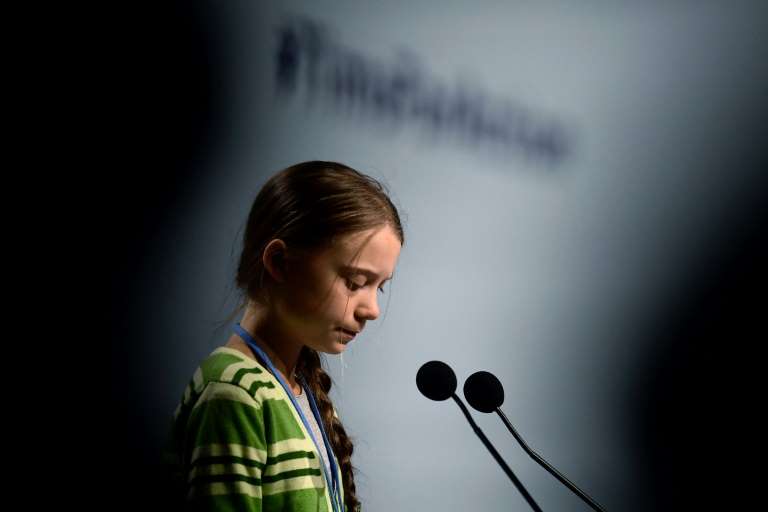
point(274, 259)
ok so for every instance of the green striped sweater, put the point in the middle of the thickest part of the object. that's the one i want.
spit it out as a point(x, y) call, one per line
point(237, 443)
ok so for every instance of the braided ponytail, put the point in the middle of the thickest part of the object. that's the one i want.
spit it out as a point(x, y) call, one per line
point(310, 367)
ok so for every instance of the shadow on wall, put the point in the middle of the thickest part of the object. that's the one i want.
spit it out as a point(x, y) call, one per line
point(176, 103)
point(696, 404)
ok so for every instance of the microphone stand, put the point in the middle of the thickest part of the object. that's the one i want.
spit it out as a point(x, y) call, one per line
point(496, 456)
point(581, 494)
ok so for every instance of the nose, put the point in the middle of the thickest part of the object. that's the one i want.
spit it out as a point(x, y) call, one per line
point(368, 307)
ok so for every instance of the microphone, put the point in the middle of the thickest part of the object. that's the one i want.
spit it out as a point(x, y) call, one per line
point(485, 393)
point(437, 381)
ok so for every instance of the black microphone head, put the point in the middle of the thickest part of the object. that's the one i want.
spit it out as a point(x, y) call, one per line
point(436, 380)
point(483, 391)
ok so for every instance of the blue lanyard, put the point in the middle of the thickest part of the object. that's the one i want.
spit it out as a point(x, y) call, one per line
point(333, 482)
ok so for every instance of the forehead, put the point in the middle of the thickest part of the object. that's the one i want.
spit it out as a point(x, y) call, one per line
point(375, 250)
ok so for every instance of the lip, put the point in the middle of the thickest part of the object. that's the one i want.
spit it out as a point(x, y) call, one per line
point(348, 335)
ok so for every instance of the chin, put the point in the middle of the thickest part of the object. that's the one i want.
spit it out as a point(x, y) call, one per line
point(337, 348)
point(333, 348)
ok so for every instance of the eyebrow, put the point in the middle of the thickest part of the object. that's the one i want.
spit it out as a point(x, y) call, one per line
point(365, 271)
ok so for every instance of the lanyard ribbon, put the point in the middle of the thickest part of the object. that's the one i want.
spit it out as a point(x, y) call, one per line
point(333, 482)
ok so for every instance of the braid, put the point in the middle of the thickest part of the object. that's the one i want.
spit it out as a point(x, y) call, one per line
point(309, 365)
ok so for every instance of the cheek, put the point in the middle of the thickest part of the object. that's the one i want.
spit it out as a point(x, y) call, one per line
point(322, 299)
point(335, 302)
point(305, 290)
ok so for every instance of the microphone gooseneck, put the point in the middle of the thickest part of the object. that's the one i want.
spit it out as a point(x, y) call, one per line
point(496, 456)
point(485, 393)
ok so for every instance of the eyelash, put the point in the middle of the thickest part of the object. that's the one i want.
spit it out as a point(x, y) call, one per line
point(350, 284)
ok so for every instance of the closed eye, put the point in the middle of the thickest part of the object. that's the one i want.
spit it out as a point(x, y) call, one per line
point(353, 286)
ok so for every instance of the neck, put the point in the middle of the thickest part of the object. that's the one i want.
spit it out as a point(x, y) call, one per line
point(283, 354)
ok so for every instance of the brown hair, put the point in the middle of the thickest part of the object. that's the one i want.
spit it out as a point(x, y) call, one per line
point(309, 206)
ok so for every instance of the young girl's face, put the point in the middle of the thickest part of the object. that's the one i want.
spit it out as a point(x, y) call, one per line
point(339, 288)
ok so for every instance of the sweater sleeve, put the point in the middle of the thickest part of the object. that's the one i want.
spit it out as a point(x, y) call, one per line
point(225, 450)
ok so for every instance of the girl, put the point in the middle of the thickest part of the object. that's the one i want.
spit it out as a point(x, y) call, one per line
point(256, 429)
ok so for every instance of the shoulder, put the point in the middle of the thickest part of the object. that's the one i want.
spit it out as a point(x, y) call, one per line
point(228, 374)
point(227, 368)
point(223, 401)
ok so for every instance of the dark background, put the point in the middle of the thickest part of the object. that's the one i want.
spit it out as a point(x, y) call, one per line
point(699, 388)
